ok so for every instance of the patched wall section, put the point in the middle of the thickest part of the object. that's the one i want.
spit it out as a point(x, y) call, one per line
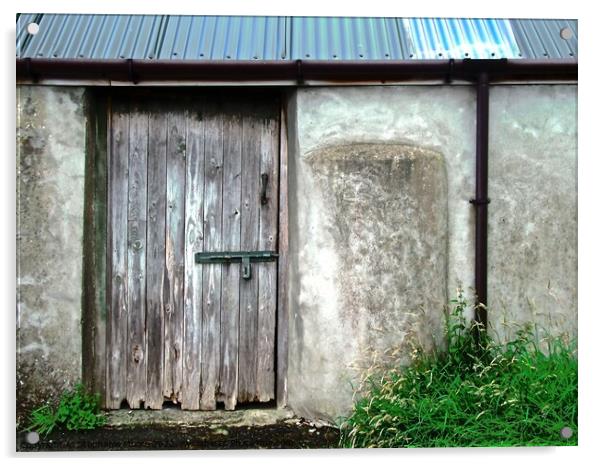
point(50, 197)
point(387, 219)
point(533, 210)
point(384, 236)
point(371, 247)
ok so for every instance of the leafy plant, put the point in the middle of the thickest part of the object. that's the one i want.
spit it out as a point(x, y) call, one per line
point(472, 394)
point(76, 410)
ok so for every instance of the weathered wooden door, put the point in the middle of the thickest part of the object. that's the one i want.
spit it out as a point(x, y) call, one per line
point(189, 175)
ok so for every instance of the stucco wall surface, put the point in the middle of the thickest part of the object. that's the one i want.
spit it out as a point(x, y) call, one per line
point(380, 230)
point(50, 185)
point(363, 261)
point(533, 210)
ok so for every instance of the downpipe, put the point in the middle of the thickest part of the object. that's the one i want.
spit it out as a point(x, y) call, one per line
point(480, 203)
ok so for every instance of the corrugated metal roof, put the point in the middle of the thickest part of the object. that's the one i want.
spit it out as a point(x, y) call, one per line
point(223, 38)
point(434, 38)
point(149, 37)
point(289, 38)
point(540, 38)
point(346, 39)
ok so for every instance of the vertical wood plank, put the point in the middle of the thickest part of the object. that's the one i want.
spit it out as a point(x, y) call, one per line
point(95, 249)
point(251, 159)
point(155, 256)
point(267, 272)
point(100, 248)
point(174, 252)
point(89, 310)
point(212, 273)
point(283, 310)
point(228, 381)
point(136, 261)
point(117, 240)
point(193, 280)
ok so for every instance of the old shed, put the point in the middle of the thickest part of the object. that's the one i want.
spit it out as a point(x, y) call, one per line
point(216, 211)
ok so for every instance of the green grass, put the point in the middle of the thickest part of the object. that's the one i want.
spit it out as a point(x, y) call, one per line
point(518, 394)
point(76, 410)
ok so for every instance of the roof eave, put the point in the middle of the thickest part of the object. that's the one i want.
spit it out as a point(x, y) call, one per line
point(138, 71)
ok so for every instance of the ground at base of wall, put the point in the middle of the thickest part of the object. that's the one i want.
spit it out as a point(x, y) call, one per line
point(161, 430)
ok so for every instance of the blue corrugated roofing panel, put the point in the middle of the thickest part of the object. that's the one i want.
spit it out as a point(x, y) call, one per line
point(345, 39)
point(224, 38)
point(434, 38)
point(289, 38)
point(540, 38)
point(146, 36)
point(23, 37)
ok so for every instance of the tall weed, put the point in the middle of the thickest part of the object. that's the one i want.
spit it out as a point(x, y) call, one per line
point(472, 394)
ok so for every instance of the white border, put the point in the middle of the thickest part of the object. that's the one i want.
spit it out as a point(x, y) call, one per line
point(589, 172)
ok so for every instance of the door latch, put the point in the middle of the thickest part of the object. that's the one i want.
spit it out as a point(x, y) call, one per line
point(229, 257)
point(264, 188)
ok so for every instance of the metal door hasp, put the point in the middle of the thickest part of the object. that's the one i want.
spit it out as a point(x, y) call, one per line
point(229, 257)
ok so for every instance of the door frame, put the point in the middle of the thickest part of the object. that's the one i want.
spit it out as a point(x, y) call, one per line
point(96, 256)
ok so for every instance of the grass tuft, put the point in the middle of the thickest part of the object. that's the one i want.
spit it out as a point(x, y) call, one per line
point(76, 410)
point(521, 393)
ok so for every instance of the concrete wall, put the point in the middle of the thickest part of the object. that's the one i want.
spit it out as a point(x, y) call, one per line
point(50, 164)
point(373, 261)
point(374, 253)
point(533, 210)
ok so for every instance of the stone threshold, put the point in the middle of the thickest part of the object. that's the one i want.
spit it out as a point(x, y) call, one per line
point(212, 419)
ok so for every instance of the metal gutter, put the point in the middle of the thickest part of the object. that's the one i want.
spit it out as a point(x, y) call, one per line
point(138, 71)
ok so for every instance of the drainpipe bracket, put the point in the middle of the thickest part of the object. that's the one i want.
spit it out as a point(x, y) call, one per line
point(30, 73)
point(480, 201)
point(131, 74)
point(300, 79)
point(450, 72)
